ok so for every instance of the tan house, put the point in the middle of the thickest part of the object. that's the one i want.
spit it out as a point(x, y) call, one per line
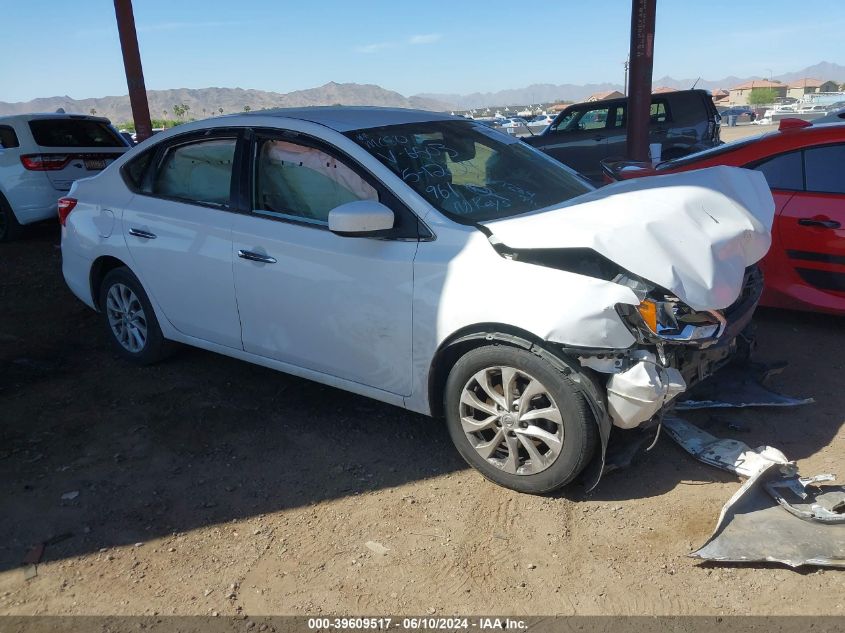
point(720, 97)
point(601, 96)
point(808, 85)
point(662, 90)
point(739, 94)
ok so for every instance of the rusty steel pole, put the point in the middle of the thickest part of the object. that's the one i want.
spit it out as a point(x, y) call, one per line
point(134, 72)
point(639, 77)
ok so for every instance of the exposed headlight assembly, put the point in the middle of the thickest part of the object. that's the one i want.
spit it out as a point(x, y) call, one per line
point(669, 319)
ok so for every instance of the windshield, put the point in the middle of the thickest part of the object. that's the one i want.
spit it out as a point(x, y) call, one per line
point(724, 148)
point(468, 171)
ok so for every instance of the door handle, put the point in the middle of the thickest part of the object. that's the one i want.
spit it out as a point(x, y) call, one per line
point(826, 224)
point(256, 257)
point(141, 233)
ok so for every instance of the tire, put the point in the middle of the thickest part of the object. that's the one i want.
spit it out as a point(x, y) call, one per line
point(125, 307)
point(573, 427)
point(10, 228)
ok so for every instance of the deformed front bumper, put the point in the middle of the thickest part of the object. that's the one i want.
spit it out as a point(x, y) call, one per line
point(645, 379)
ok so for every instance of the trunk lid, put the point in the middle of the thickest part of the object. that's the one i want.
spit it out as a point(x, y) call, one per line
point(692, 233)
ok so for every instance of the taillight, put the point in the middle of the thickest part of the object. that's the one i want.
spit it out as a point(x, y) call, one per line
point(66, 205)
point(45, 162)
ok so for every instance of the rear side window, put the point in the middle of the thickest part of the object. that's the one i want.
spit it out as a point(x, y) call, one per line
point(825, 168)
point(8, 138)
point(784, 171)
point(197, 172)
point(74, 133)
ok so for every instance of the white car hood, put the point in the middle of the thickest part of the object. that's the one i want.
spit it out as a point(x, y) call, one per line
point(693, 233)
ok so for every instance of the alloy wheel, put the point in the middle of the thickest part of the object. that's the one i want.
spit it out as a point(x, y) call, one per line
point(511, 420)
point(126, 318)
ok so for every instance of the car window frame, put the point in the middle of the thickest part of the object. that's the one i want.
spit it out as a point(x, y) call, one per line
point(623, 106)
point(409, 226)
point(804, 151)
point(756, 163)
point(189, 138)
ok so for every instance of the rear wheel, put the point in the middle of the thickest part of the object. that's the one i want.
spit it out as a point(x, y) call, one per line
point(129, 318)
point(514, 417)
point(10, 228)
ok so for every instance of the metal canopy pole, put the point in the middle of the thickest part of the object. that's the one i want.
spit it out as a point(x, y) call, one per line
point(134, 72)
point(639, 91)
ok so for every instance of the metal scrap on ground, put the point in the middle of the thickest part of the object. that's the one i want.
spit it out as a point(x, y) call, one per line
point(776, 516)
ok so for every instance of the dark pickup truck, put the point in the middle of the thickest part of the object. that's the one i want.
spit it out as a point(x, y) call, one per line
point(585, 134)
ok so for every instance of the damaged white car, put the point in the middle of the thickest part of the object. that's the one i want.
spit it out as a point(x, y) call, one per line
point(429, 262)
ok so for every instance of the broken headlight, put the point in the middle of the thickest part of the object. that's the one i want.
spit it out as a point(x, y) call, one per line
point(667, 317)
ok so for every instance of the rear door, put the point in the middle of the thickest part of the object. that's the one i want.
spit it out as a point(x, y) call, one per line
point(812, 223)
point(71, 148)
point(178, 229)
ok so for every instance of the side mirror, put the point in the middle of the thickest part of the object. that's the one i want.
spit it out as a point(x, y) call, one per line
point(362, 218)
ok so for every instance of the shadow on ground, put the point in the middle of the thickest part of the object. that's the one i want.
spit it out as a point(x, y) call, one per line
point(96, 453)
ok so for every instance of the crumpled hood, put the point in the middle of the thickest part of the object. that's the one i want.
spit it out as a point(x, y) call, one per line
point(693, 233)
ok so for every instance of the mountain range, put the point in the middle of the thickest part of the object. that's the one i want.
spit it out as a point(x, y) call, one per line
point(545, 93)
point(204, 102)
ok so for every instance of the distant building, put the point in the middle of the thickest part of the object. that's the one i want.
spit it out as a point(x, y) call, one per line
point(558, 107)
point(720, 97)
point(601, 96)
point(739, 94)
point(662, 90)
point(797, 89)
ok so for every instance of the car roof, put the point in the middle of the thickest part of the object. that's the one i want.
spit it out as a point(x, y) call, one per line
point(35, 116)
point(346, 118)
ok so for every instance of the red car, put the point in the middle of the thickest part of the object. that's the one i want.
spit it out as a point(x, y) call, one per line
point(805, 167)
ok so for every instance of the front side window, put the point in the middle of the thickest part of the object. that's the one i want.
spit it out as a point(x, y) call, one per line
point(825, 168)
point(468, 171)
point(784, 171)
point(304, 182)
point(74, 133)
point(658, 113)
point(197, 172)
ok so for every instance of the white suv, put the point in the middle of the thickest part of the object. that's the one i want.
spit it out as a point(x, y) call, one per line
point(429, 262)
point(41, 155)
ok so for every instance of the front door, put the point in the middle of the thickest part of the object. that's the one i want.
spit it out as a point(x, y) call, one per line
point(336, 305)
point(178, 229)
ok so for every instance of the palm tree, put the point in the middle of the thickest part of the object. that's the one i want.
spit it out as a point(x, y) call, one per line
point(247, 108)
point(220, 110)
point(93, 111)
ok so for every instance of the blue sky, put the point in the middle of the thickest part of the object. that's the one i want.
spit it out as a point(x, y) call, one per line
point(53, 47)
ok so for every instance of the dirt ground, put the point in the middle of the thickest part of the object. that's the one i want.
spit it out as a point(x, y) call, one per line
point(206, 485)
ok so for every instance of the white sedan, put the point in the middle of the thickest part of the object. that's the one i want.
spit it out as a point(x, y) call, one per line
point(429, 262)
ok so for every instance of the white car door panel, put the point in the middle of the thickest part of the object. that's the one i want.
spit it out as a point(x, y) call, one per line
point(337, 305)
point(180, 237)
point(186, 265)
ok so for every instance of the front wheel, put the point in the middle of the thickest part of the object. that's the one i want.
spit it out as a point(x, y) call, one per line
point(129, 318)
point(518, 420)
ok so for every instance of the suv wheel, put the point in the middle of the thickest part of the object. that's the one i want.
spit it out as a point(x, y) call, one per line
point(130, 320)
point(515, 418)
point(10, 228)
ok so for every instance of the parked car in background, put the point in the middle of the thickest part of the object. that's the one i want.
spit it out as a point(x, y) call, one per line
point(804, 164)
point(425, 261)
point(543, 119)
point(584, 134)
point(41, 155)
point(514, 123)
point(744, 113)
point(833, 116)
